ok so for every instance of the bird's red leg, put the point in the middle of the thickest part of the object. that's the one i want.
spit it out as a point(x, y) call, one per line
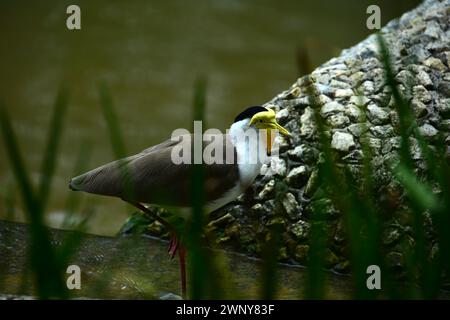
point(174, 244)
point(182, 256)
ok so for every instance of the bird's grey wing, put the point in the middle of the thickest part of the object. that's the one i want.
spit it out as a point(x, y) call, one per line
point(156, 178)
point(107, 179)
point(166, 144)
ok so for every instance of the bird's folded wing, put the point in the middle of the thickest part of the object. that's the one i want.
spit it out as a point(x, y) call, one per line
point(154, 178)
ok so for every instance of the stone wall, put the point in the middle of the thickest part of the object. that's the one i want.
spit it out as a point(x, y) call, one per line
point(355, 101)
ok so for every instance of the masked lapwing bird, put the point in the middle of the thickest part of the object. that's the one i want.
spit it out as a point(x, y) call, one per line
point(161, 175)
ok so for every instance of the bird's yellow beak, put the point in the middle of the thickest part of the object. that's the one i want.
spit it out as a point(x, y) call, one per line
point(275, 125)
point(266, 120)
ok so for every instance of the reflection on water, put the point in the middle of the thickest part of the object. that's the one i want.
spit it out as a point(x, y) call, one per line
point(149, 54)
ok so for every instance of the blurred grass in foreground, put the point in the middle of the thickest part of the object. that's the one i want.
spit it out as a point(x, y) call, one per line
point(46, 263)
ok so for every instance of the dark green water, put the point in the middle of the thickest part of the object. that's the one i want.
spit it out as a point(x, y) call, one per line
point(149, 53)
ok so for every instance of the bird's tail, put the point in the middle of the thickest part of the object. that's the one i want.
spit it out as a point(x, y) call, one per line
point(75, 184)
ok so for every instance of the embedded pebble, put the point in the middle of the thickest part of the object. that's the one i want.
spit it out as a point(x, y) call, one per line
point(268, 189)
point(428, 130)
point(376, 114)
point(359, 100)
point(435, 63)
point(421, 94)
point(308, 126)
point(343, 93)
point(332, 107)
point(291, 206)
point(357, 129)
point(338, 121)
point(342, 141)
point(297, 176)
point(353, 112)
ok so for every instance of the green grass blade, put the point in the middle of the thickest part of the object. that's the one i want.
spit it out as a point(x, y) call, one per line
point(198, 262)
point(17, 163)
point(418, 192)
point(269, 277)
point(47, 274)
point(405, 115)
point(315, 286)
point(407, 125)
point(112, 122)
point(51, 150)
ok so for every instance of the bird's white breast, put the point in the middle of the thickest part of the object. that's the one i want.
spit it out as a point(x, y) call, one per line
point(248, 159)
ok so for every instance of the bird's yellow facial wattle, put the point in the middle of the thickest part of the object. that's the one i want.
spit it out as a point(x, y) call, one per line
point(266, 120)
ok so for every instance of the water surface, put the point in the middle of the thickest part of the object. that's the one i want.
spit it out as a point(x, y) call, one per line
point(140, 268)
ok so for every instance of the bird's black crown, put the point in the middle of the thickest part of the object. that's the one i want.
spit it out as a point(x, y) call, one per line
point(249, 113)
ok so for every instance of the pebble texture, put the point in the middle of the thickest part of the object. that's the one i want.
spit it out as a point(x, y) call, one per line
point(355, 102)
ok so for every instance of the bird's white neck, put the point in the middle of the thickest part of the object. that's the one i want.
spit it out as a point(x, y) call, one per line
point(237, 127)
point(250, 151)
